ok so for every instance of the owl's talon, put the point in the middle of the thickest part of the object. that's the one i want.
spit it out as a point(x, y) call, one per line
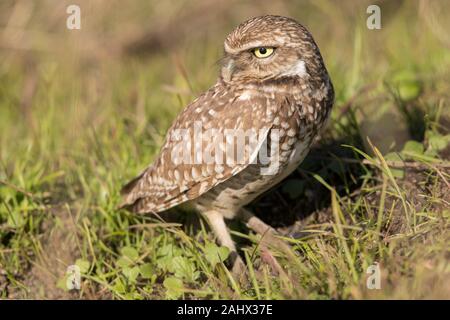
point(239, 268)
point(268, 234)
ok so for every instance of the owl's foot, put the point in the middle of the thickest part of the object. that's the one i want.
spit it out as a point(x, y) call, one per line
point(239, 269)
point(269, 236)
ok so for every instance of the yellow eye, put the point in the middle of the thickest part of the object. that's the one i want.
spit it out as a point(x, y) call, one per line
point(262, 52)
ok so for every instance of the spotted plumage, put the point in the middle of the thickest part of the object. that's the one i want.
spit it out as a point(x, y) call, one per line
point(273, 84)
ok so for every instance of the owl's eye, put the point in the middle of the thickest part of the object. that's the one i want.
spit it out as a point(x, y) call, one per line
point(263, 52)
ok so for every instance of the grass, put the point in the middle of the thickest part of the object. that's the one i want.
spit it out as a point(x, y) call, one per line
point(374, 189)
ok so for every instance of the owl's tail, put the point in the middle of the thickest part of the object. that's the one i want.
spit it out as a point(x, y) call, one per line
point(128, 197)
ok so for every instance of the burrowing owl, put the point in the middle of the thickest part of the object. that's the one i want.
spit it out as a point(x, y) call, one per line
point(273, 94)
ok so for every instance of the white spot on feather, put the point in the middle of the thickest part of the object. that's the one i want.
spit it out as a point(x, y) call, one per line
point(246, 95)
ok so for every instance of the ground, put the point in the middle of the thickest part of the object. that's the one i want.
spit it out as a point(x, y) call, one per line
point(82, 112)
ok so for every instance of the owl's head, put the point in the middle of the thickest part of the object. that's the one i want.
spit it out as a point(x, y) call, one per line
point(270, 47)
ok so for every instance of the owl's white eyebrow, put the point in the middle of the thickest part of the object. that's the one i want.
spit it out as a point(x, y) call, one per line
point(250, 45)
point(298, 69)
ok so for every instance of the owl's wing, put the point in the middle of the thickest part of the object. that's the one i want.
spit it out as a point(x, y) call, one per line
point(176, 177)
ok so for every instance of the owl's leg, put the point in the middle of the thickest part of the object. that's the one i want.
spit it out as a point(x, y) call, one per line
point(267, 232)
point(219, 227)
point(268, 239)
point(255, 223)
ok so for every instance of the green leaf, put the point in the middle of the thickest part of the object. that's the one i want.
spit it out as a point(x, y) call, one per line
point(131, 273)
point(407, 85)
point(413, 147)
point(437, 141)
point(409, 90)
point(396, 172)
point(119, 286)
point(164, 263)
point(215, 254)
point(174, 287)
point(83, 265)
point(130, 252)
point(183, 268)
point(123, 262)
point(16, 219)
point(169, 250)
point(146, 270)
point(62, 283)
point(165, 255)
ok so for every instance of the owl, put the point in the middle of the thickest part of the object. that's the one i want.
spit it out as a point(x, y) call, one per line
point(243, 135)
